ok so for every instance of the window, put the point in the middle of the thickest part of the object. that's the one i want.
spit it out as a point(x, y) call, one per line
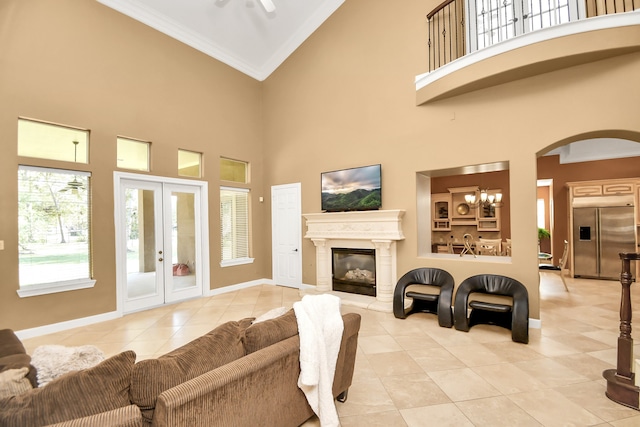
point(497, 21)
point(133, 154)
point(234, 170)
point(189, 163)
point(50, 141)
point(541, 214)
point(234, 226)
point(54, 224)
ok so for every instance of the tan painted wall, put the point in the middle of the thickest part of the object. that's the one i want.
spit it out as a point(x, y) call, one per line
point(79, 63)
point(347, 98)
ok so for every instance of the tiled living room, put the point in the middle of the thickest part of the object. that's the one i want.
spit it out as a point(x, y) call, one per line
point(412, 372)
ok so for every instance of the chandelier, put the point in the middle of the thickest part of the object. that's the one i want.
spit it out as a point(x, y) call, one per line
point(486, 199)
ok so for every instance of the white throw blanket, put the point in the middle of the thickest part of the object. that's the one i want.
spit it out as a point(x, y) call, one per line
point(320, 329)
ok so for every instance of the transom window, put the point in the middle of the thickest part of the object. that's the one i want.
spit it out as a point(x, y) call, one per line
point(44, 140)
point(189, 163)
point(234, 170)
point(133, 154)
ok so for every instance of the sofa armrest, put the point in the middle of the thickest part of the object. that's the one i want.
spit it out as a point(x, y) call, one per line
point(260, 388)
point(127, 416)
point(347, 355)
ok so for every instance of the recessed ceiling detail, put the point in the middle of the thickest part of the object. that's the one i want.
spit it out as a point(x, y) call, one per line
point(241, 33)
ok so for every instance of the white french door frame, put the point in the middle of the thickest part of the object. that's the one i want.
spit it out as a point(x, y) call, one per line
point(202, 231)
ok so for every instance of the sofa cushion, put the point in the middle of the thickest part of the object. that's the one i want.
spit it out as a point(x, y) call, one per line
point(14, 382)
point(153, 376)
point(76, 394)
point(264, 334)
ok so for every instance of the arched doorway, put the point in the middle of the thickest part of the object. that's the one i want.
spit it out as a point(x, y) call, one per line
point(602, 155)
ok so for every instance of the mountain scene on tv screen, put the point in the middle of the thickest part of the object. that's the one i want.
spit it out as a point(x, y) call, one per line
point(356, 200)
point(352, 189)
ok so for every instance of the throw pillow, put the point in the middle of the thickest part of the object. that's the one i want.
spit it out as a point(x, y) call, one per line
point(10, 344)
point(74, 395)
point(14, 382)
point(153, 376)
point(271, 314)
point(269, 332)
point(52, 361)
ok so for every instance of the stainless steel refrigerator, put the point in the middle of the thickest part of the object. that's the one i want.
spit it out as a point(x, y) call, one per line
point(600, 232)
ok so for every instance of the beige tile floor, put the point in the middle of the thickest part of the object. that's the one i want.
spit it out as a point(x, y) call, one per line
point(413, 373)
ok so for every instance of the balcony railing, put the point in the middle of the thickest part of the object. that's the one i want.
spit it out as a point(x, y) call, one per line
point(493, 21)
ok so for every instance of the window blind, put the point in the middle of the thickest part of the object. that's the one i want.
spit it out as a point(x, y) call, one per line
point(234, 223)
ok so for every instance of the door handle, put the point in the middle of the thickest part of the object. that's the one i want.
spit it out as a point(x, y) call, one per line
point(295, 250)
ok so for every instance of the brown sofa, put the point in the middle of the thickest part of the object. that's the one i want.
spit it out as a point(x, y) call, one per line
point(236, 375)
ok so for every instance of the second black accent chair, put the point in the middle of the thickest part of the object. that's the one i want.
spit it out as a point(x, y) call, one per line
point(514, 316)
point(438, 303)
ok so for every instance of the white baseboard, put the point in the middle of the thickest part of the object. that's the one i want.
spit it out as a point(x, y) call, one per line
point(69, 324)
point(85, 321)
point(535, 323)
point(238, 286)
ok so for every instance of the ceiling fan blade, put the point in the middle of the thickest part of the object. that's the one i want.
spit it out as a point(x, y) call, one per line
point(268, 5)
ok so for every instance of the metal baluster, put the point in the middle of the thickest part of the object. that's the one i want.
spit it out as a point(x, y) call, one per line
point(429, 52)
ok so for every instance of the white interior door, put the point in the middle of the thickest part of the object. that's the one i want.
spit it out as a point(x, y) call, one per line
point(286, 225)
point(159, 240)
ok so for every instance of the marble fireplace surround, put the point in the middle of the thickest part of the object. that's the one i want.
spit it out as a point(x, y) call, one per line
point(379, 230)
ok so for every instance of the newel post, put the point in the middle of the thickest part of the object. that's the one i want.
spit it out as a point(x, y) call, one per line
point(621, 386)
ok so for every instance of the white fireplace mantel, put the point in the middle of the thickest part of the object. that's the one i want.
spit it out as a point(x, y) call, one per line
point(379, 230)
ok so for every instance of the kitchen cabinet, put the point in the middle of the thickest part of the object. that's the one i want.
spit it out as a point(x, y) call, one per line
point(489, 214)
point(463, 213)
point(440, 212)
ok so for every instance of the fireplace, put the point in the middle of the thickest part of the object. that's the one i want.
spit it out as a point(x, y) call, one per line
point(354, 270)
point(378, 231)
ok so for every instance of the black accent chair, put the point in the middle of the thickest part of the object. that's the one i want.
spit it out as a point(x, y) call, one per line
point(439, 304)
point(514, 317)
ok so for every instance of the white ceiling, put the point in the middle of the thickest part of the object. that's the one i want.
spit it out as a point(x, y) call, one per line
point(596, 149)
point(240, 33)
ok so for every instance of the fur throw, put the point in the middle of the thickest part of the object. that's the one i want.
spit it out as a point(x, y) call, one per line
point(52, 361)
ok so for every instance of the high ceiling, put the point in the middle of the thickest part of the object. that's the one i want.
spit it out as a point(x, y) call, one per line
point(240, 33)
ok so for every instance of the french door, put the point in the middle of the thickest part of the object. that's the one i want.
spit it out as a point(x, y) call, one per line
point(160, 229)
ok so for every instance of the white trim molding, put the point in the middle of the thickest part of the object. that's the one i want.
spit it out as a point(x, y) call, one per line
point(69, 324)
point(52, 288)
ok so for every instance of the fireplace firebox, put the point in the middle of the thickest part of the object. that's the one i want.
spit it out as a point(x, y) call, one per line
point(354, 270)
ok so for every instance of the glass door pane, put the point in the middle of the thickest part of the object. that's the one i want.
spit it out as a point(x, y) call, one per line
point(182, 230)
point(143, 236)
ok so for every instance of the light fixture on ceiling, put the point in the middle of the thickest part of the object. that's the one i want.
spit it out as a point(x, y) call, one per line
point(485, 199)
point(268, 5)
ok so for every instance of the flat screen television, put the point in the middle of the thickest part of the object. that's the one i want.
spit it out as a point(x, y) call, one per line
point(355, 189)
